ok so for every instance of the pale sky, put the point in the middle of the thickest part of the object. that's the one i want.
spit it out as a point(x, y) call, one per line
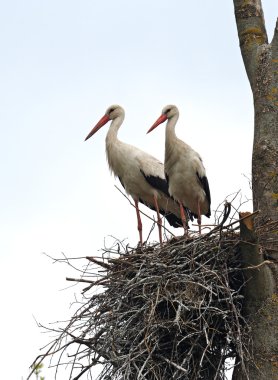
point(62, 64)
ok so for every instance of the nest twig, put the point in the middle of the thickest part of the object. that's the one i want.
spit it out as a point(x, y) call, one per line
point(171, 312)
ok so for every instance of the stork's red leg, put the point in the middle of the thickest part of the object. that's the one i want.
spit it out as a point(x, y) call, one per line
point(183, 218)
point(199, 217)
point(139, 222)
point(159, 221)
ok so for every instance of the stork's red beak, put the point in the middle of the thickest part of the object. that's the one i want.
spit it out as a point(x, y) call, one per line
point(100, 124)
point(160, 120)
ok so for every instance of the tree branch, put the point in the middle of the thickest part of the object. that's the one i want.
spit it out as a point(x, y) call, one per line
point(274, 41)
point(251, 32)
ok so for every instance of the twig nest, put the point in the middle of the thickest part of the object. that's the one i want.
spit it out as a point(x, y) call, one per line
point(168, 313)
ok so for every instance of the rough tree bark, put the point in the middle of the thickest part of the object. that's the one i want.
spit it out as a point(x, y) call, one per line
point(261, 292)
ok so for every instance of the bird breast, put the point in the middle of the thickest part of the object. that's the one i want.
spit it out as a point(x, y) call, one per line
point(182, 164)
point(126, 162)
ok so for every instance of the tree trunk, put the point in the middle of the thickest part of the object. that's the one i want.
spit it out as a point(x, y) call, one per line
point(261, 291)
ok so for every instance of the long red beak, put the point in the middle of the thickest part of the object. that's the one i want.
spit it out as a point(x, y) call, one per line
point(100, 124)
point(160, 120)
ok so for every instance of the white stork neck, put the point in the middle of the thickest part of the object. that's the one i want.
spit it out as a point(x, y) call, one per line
point(112, 134)
point(112, 143)
point(170, 128)
point(170, 137)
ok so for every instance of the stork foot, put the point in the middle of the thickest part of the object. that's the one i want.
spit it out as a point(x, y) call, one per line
point(140, 245)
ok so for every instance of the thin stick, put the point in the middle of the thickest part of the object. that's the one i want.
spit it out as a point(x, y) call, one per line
point(80, 280)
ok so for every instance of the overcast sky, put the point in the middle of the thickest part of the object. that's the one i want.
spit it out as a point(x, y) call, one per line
point(62, 64)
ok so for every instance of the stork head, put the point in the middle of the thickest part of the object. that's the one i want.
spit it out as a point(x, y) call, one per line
point(111, 113)
point(114, 111)
point(167, 113)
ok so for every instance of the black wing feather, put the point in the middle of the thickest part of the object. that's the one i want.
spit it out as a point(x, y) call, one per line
point(205, 186)
point(157, 182)
point(121, 182)
point(172, 219)
point(163, 185)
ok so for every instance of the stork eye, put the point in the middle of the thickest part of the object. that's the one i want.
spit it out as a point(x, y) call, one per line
point(112, 109)
point(168, 110)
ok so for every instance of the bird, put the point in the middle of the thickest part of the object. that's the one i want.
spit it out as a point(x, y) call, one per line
point(141, 174)
point(184, 170)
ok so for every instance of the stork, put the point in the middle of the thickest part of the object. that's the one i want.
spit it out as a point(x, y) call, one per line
point(184, 170)
point(141, 175)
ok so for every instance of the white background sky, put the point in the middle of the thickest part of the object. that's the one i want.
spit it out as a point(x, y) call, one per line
point(62, 64)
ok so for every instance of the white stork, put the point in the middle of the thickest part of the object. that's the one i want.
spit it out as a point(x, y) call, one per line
point(141, 175)
point(184, 170)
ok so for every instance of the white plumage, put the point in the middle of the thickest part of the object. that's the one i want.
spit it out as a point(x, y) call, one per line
point(184, 169)
point(141, 174)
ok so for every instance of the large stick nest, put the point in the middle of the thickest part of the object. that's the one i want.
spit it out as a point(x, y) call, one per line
point(171, 312)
